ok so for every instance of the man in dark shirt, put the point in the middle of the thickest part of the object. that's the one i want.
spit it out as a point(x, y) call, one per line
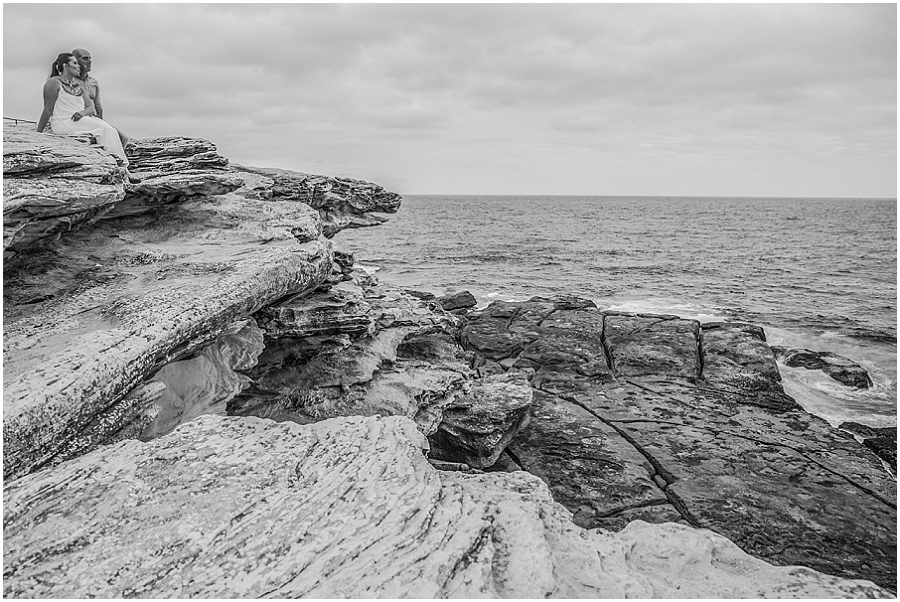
point(93, 87)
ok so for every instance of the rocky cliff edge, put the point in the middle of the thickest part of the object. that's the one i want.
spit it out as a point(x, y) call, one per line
point(202, 397)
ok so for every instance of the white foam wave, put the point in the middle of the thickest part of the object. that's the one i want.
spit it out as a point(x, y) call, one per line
point(662, 305)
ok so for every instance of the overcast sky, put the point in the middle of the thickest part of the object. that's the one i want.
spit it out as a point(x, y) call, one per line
point(593, 99)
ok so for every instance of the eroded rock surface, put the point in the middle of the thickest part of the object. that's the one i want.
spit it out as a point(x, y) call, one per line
point(130, 310)
point(105, 283)
point(342, 202)
point(355, 350)
point(477, 427)
point(658, 418)
point(346, 508)
point(206, 383)
point(52, 184)
point(87, 320)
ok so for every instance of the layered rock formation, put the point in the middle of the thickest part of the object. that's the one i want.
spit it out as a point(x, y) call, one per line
point(345, 508)
point(341, 202)
point(355, 350)
point(143, 276)
point(136, 316)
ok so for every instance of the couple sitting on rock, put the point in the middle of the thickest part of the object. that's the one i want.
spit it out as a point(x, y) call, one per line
point(72, 105)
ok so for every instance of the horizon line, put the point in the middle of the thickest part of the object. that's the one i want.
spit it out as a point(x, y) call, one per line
point(650, 196)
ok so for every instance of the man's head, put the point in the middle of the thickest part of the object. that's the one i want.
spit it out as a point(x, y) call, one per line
point(84, 59)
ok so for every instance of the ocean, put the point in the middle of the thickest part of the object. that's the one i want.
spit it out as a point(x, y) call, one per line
point(817, 274)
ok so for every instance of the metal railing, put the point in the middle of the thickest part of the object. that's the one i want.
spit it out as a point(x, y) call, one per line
point(17, 120)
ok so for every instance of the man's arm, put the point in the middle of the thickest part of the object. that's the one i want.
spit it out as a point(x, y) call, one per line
point(88, 109)
point(98, 106)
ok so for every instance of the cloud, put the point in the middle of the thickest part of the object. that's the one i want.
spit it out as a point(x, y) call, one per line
point(375, 87)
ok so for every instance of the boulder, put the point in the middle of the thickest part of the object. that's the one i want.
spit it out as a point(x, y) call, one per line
point(477, 427)
point(346, 508)
point(423, 295)
point(838, 367)
point(659, 419)
point(460, 300)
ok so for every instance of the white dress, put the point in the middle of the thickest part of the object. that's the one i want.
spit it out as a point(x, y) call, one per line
point(61, 123)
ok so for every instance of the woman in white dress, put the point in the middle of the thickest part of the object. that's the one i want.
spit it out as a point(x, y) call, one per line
point(69, 109)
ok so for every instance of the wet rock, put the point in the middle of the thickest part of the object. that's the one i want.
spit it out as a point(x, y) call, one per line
point(430, 344)
point(502, 330)
point(477, 427)
point(589, 467)
point(841, 369)
point(736, 358)
point(570, 341)
point(691, 424)
point(643, 345)
point(423, 295)
point(881, 440)
point(460, 300)
point(333, 510)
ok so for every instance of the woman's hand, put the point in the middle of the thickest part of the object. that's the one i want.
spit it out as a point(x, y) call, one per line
point(76, 116)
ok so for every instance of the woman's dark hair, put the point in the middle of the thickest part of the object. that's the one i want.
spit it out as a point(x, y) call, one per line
point(59, 63)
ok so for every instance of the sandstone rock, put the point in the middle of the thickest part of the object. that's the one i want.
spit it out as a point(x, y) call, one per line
point(841, 369)
point(90, 317)
point(342, 202)
point(348, 508)
point(661, 439)
point(52, 185)
point(340, 310)
point(125, 419)
point(173, 153)
point(56, 184)
point(478, 426)
point(167, 188)
point(432, 343)
point(460, 300)
point(882, 441)
point(404, 362)
point(205, 383)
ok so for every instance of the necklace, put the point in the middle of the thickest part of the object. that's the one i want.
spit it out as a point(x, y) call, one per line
point(73, 86)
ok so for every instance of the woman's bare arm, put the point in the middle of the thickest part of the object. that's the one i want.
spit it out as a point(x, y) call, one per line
point(51, 93)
